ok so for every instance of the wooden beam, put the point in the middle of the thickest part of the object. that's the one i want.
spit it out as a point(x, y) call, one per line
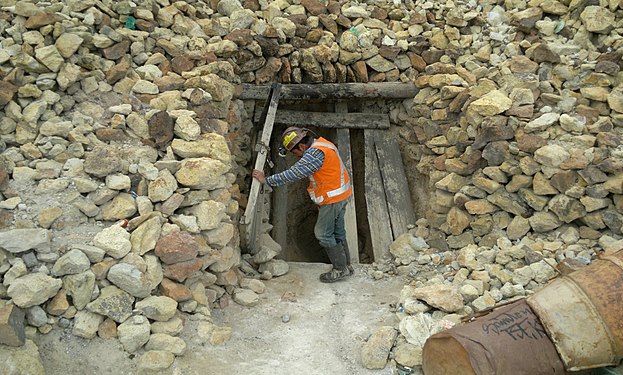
point(395, 183)
point(270, 110)
point(387, 90)
point(333, 120)
point(350, 217)
point(376, 202)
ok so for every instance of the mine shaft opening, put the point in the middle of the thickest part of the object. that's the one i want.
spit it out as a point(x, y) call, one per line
point(294, 230)
point(296, 233)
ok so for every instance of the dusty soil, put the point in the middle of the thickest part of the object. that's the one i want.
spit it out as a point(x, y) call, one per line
point(328, 324)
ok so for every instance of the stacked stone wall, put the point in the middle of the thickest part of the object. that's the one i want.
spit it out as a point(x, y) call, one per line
point(124, 146)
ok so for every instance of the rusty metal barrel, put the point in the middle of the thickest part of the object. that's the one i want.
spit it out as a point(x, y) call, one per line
point(582, 314)
point(508, 340)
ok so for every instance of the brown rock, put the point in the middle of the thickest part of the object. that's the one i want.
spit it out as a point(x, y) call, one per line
point(107, 329)
point(108, 135)
point(180, 271)
point(170, 83)
point(177, 247)
point(240, 37)
point(492, 130)
point(268, 72)
point(12, 331)
point(523, 111)
point(117, 51)
point(7, 91)
point(4, 177)
point(178, 292)
point(529, 142)
point(58, 304)
point(182, 63)
point(42, 19)
point(117, 72)
point(360, 71)
point(343, 21)
point(161, 129)
point(314, 7)
point(564, 181)
point(146, 25)
point(328, 23)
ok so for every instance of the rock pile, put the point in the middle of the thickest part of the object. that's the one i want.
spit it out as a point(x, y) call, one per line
point(123, 149)
point(518, 127)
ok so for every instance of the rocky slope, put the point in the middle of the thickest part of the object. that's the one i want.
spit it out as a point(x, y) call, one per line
point(124, 151)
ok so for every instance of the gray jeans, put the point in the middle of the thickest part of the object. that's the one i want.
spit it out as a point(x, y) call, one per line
point(330, 229)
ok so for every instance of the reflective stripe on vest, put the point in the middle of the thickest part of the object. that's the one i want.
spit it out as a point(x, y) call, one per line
point(344, 187)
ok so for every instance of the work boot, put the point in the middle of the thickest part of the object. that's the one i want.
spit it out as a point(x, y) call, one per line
point(338, 259)
point(350, 268)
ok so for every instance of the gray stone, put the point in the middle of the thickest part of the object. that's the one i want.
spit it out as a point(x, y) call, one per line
point(162, 187)
point(134, 333)
point(375, 352)
point(158, 308)
point(276, 267)
point(164, 342)
point(73, 262)
point(21, 240)
point(113, 303)
point(80, 287)
point(33, 289)
point(131, 279)
point(12, 331)
point(86, 324)
point(246, 297)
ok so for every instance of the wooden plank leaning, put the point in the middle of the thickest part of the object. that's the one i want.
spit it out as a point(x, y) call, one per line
point(250, 217)
point(350, 218)
point(394, 179)
point(376, 202)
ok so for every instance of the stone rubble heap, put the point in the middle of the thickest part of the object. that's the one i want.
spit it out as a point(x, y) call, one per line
point(518, 125)
point(123, 149)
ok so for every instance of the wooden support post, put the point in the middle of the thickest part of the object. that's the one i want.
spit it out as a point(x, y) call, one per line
point(376, 201)
point(333, 120)
point(279, 211)
point(250, 218)
point(394, 179)
point(350, 218)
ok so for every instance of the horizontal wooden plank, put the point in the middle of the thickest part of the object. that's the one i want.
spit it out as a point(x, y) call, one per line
point(389, 90)
point(331, 120)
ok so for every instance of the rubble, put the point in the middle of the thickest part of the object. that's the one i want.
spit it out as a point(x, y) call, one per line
point(120, 121)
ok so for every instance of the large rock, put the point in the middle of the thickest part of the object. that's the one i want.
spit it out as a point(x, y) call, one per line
point(134, 333)
point(375, 351)
point(113, 303)
point(202, 173)
point(12, 325)
point(115, 240)
point(160, 308)
point(21, 240)
point(33, 289)
point(443, 297)
point(129, 278)
point(177, 247)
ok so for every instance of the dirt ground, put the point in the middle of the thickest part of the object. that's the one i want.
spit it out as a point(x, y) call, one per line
point(328, 324)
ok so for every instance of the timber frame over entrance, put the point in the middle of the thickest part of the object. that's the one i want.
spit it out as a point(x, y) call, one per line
point(388, 204)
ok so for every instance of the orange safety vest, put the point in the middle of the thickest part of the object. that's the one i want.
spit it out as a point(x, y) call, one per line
point(331, 183)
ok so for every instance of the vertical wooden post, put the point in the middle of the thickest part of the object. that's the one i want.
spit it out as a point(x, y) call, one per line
point(350, 218)
point(250, 218)
point(376, 201)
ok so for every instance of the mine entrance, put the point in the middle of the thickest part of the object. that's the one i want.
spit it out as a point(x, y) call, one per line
point(381, 207)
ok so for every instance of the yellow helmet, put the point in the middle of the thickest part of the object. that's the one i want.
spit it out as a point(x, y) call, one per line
point(292, 136)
